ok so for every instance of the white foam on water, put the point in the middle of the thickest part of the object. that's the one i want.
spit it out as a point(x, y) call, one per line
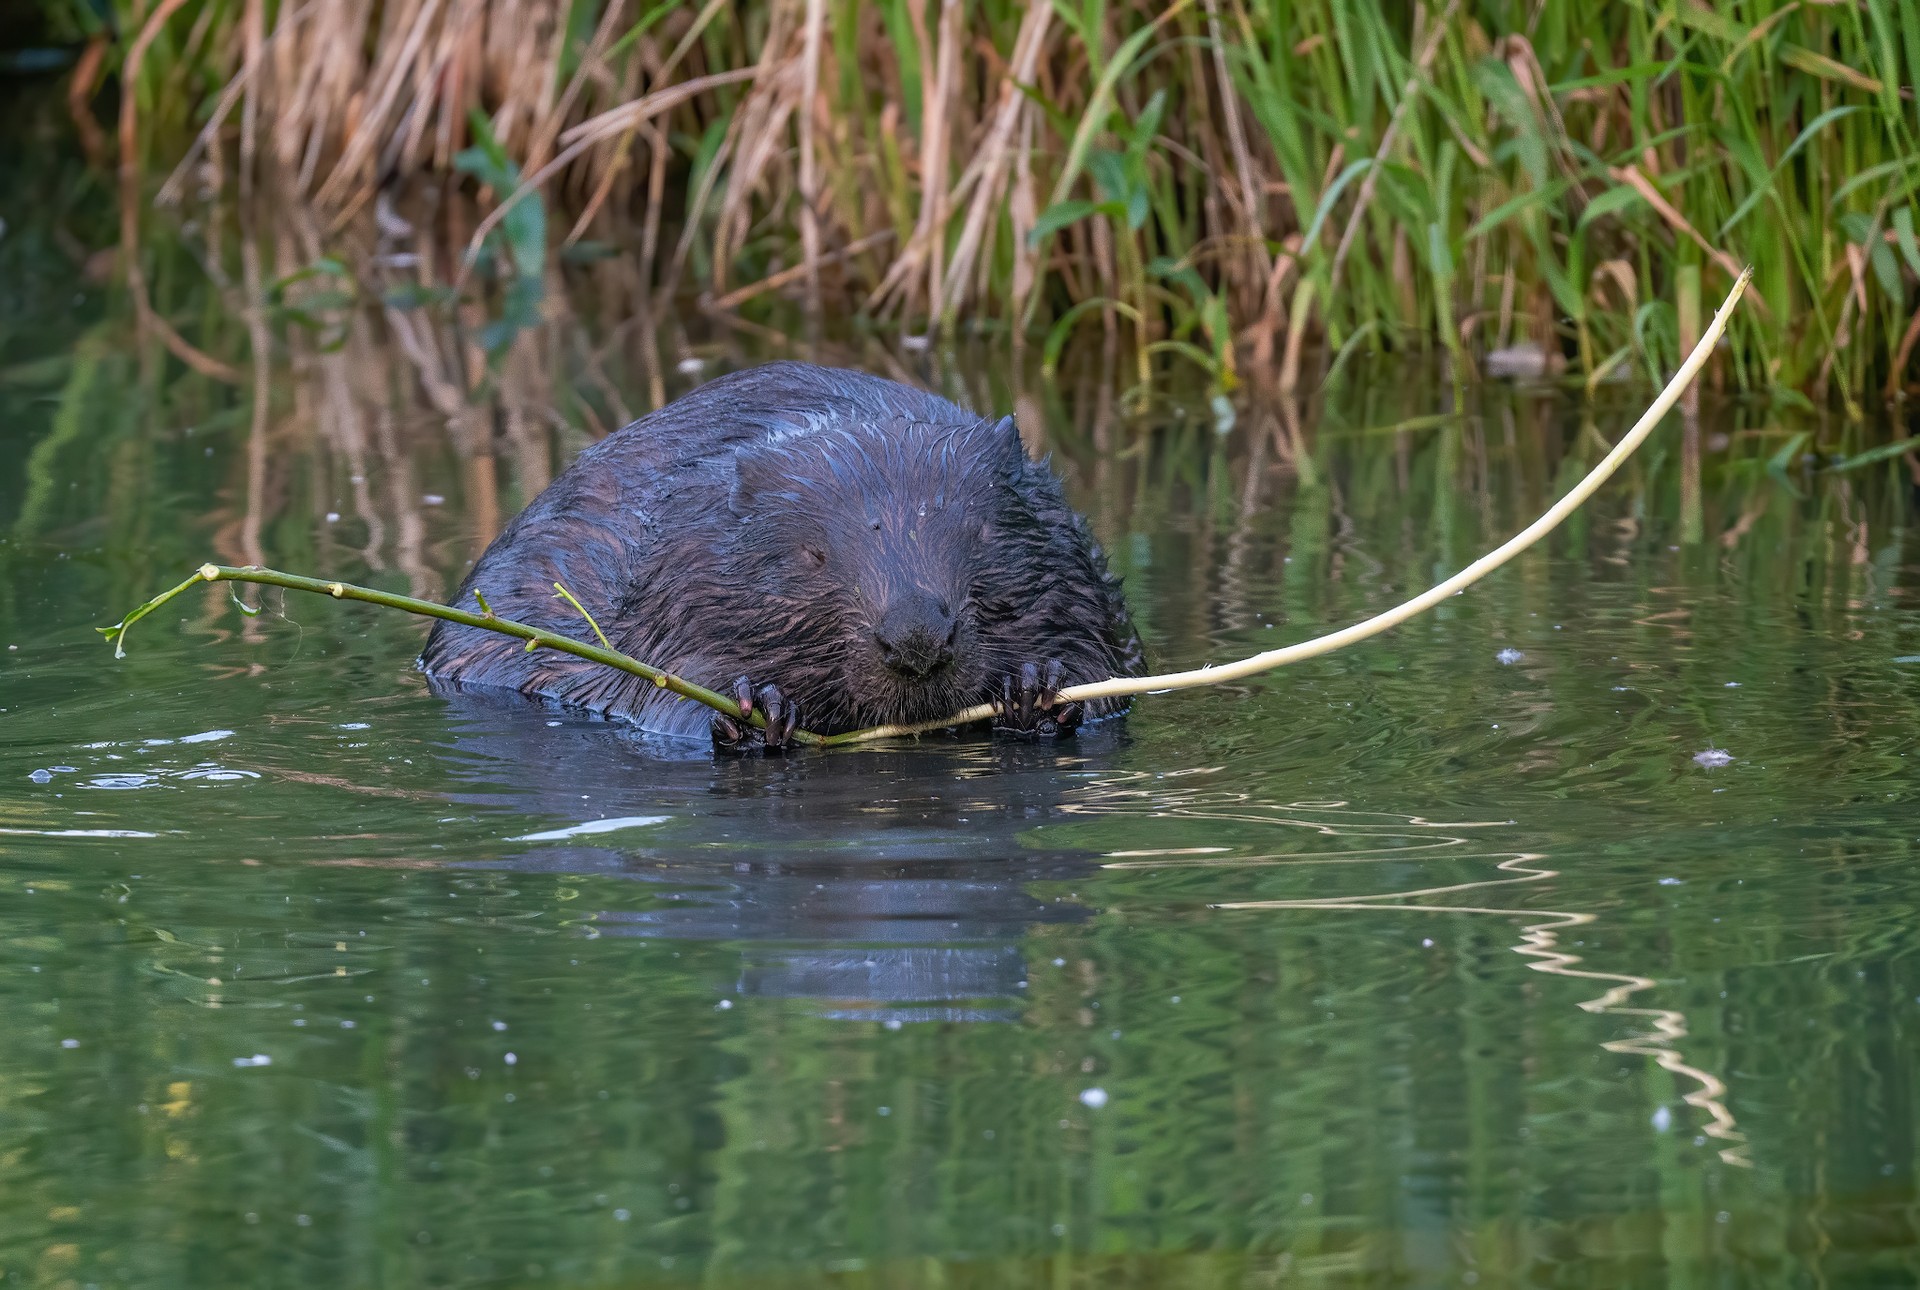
point(592, 827)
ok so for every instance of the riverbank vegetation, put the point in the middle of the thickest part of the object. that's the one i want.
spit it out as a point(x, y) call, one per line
point(1544, 188)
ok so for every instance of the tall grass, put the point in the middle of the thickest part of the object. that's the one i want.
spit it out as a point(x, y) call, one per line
point(1548, 184)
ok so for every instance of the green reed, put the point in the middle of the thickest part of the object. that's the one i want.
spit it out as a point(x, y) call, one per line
point(1224, 183)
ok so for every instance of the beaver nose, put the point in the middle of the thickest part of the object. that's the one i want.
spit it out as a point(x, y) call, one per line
point(916, 636)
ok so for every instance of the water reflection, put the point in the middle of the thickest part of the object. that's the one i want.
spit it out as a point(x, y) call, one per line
point(917, 914)
point(1392, 841)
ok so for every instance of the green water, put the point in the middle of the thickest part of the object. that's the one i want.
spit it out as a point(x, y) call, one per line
point(1425, 964)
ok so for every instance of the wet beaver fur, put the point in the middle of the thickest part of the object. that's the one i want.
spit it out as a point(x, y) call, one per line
point(842, 550)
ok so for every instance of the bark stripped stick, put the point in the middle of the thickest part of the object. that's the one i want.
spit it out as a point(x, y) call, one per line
point(1118, 686)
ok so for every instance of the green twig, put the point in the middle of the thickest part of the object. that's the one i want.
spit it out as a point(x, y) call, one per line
point(536, 638)
point(561, 591)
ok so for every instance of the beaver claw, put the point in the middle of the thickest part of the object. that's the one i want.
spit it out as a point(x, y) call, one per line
point(1029, 704)
point(783, 718)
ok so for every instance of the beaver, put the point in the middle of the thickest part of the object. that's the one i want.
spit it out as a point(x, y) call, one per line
point(844, 551)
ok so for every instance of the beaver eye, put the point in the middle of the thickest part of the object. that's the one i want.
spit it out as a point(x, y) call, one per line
point(813, 557)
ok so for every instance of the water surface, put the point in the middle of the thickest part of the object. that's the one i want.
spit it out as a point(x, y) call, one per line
point(1565, 937)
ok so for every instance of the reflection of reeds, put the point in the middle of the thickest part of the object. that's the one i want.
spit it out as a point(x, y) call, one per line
point(1540, 942)
point(1540, 184)
point(1413, 839)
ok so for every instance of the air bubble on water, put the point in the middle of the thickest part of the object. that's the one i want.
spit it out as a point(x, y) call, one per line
point(1712, 757)
point(723, 1005)
point(511, 1059)
point(499, 1025)
point(258, 1059)
point(69, 1043)
point(1662, 1120)
point(893, 1023)
point(215, 773)
point(131, 779)
point(42, 776)
point(621, 1215)
point(1673, 882)
point(333, 517)
point(1509, 656)
point(1426, 942)
point(1093, 1098)
point(886, 1110)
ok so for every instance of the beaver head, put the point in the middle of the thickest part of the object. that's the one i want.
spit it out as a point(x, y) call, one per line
point(881, 564)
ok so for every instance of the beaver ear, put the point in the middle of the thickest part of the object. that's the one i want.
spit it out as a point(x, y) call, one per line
point(1010, 458)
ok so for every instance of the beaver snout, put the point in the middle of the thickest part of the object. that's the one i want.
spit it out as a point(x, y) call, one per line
point(916, 636)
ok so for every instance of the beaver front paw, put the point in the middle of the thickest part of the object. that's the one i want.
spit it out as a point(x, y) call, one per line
point(1029, 704)
point(783, 718)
